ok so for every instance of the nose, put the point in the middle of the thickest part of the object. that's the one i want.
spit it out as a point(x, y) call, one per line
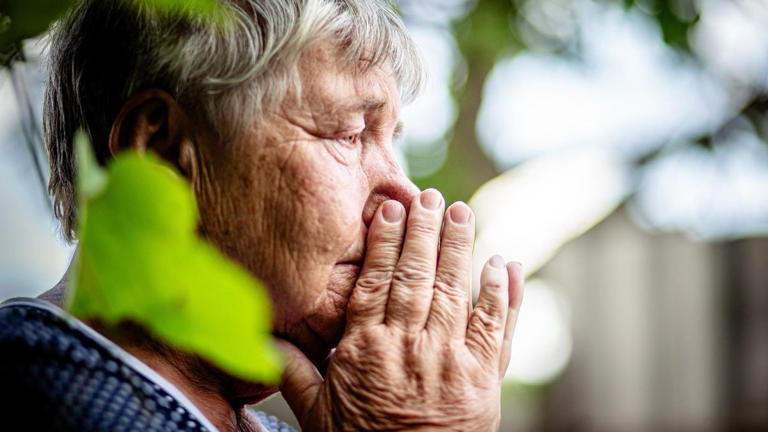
point(387, 181)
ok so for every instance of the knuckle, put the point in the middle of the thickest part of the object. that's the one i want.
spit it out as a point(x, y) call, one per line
point(448, 285)
point(453, 242)
point(385, 237)
point(487, 319)
point(374, 280)
point(452, 273)
point(423, 229)
point(413, 271)
point(492, 285)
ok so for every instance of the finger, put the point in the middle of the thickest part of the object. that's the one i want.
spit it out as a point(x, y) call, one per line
point(485, 331)
point(368, 301)
point(449, 312)
point(414, 275)
point(301, 381)
point(516, 282)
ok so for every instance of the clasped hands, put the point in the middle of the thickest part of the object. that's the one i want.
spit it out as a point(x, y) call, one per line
point(415, 354)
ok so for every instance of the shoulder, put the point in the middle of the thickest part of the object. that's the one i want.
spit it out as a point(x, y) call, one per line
point(57, 373)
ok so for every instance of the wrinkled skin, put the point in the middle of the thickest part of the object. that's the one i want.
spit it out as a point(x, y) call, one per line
point(301, 201)
point(414, 355)
point(292, 201)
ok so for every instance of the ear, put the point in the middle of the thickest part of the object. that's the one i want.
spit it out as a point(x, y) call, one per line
point(152, 120)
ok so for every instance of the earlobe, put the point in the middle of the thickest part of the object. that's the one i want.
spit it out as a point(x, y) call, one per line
point(150, 120)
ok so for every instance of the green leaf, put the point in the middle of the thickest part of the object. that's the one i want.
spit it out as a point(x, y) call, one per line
point(207, 12)
point(91, 178)
point(139, 259)
point(190, 7)
point(23, 19)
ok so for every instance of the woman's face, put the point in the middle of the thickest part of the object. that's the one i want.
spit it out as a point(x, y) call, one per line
point(292, 200)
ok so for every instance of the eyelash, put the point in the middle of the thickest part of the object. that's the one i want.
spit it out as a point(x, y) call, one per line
point(351, 139)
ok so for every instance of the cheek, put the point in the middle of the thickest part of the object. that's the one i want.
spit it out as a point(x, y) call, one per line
point(332, 197)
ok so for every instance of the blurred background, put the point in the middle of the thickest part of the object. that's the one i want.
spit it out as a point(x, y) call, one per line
point(617, 148)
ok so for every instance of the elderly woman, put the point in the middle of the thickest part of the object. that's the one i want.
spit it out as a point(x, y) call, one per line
point(284, 124)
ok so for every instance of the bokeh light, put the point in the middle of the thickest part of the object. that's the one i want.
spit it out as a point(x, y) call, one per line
point(542, 345)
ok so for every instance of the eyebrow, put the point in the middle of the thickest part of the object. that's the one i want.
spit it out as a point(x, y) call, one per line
point(370, 105)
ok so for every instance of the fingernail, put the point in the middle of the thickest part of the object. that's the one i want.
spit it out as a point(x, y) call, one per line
point(430, 199)
point(460, 213)
point(497, 261)
point(392, 212)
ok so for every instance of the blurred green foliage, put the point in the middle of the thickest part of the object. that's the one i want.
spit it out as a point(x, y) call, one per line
point(24, 19)
point(140, 259)
point(492, 30)
point(675, 18)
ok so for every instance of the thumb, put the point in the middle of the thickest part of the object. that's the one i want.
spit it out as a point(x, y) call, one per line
point(301, 381)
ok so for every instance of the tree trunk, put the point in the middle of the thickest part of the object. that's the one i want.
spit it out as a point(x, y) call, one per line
point(466, 166)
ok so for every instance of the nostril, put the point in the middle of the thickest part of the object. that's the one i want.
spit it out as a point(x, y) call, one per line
point(388, 182)
point(377, 199)
point(406, 193)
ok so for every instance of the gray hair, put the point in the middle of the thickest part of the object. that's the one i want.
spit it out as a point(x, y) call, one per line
point(221, 75)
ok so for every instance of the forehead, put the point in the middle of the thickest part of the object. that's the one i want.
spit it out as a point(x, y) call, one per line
point(331, 85)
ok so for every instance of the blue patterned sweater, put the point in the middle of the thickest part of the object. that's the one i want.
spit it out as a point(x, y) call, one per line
point(58, 374)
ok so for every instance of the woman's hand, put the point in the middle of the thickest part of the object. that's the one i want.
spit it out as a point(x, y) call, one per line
point(414, 353)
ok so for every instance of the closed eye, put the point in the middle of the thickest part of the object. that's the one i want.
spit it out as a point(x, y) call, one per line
point(398, 132)
point(351, 139)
